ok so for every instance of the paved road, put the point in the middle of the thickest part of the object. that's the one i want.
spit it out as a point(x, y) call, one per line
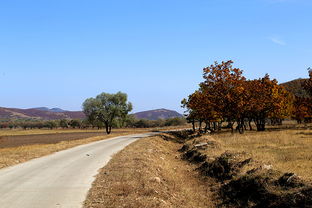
point(61, 179)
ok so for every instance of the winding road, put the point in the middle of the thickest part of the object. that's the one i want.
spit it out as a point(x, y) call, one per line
point(59, 180)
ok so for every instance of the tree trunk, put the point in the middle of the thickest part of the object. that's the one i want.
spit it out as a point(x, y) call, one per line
point(219, 125)
point(193, 125)
point(260, 123)
point(108, 128)
point(240, 126)
point(207, 127)
point(249, 123)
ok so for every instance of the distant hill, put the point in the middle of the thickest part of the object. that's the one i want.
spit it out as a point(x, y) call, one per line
point(57, 110)
point(39, 113)
point(43, 113)
point(157, 114)
point(295, 87)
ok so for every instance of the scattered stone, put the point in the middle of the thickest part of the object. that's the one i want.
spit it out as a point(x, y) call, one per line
point(266, 188)
point(224, 167)
point(201, 146)
point(290, 180)
point(194, 156)
point(267, 167)
point(184, 148)
point(163, 201)
point(155, 179)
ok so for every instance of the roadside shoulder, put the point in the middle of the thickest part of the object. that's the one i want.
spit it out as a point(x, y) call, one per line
point(149, 173)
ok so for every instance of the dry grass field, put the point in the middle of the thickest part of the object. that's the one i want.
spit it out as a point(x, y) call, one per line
point(287, 150)
point(150, 173)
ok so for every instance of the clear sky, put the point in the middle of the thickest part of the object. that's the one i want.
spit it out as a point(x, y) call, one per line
point(58, 53)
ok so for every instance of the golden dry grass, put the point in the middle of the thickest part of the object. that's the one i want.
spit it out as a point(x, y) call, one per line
point(149, 173)
point(16, 132)
point(286, 150)
point(15, 155)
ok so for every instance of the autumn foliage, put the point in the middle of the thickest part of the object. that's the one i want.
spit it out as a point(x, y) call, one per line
point(303, 105)
point(308, 83)
point(226, 95)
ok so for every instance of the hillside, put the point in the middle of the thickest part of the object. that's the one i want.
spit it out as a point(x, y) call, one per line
point(57, 110)
point(43, 113)
point(33, 113)
point(295, 86)
point(157, 114)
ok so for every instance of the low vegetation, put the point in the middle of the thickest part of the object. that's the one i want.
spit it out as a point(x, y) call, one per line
point(187, 169)
point(85, 125)
point(284, 150)
point(149, 173)
point(268, 169)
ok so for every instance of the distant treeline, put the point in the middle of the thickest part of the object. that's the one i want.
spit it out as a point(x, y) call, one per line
point(129, 122)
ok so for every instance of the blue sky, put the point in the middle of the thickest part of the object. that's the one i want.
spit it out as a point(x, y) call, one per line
point(58, 53)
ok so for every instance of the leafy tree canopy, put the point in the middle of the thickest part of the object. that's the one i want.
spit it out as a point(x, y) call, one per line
point(106, 108)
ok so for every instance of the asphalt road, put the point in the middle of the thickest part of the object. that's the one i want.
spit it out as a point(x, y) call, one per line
point(61, 179)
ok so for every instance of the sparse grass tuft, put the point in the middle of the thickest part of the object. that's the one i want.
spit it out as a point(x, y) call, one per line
point(149, 173)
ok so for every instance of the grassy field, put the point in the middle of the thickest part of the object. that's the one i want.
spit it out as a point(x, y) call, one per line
point(153, 173)
point(149, 173)
point(287, 150)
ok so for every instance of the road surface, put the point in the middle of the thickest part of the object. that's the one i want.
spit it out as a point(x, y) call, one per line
point(61, 179)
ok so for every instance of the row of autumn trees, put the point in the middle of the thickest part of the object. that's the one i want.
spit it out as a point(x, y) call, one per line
point(226, 95)
point(303, 104)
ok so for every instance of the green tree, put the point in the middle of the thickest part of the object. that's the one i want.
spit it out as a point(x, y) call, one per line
point(75, 123)
point(63, 123)
point(51, 124)
point(106, 108)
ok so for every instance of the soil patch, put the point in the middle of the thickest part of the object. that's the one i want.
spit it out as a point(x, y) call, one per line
point(22, 140)
point(22, 153)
